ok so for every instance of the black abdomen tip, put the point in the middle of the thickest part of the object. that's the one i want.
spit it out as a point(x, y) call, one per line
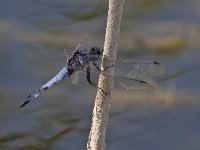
point(24, 103)
point(143, 82)
point(157, 63)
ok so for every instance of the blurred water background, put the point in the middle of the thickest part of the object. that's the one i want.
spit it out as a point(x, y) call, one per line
point(33, 34)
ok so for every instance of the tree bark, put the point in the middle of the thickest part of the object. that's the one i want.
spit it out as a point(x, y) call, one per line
point(96, 140)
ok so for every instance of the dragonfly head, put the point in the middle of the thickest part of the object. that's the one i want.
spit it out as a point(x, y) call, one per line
point(95, 53)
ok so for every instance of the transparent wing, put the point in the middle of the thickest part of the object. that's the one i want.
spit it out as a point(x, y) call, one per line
point(128, 83)
point(74, 77)
point(135, 69)
point(80, 45)
point(121, 81)
point(79, 78)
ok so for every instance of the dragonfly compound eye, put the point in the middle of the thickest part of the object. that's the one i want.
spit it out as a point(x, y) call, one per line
point(95, 50)
point(98, 51)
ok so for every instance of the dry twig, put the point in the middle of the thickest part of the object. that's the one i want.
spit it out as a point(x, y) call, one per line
point(101, 109)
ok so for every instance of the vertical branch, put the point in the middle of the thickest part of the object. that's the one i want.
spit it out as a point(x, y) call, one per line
point(96, 140)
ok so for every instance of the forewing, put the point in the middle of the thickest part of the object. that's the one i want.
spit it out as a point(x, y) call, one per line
point(80, 45)
point(135, 69)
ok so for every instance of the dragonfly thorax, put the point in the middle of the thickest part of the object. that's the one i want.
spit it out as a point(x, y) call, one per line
point(75, 63)
point(81, 59)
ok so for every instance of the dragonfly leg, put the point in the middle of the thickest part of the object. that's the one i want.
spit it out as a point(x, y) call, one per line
point(91, 83)
point(97, 67)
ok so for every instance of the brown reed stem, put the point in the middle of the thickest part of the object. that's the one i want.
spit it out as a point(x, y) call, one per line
point(96, 140)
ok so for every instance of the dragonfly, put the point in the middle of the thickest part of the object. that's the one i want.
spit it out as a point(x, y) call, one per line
point(128, 74)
